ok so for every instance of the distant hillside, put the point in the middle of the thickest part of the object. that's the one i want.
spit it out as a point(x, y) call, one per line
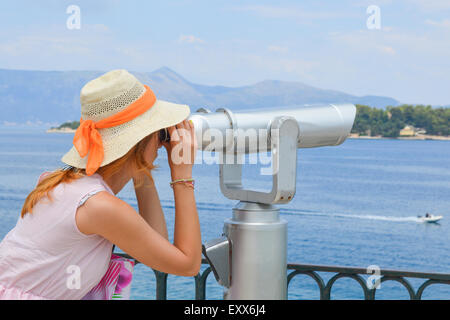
point(54, 96)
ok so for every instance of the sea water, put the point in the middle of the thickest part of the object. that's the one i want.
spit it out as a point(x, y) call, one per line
point(355, 205)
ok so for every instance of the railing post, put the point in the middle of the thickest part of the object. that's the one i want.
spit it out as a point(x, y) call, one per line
point(161, 285)
point(200, 284)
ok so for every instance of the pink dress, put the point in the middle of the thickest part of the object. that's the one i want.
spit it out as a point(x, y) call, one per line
point(45, 256)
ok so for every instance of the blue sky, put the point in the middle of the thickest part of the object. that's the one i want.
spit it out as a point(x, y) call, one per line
point(321, 43)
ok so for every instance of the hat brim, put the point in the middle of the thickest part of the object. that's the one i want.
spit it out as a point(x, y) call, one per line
point(117, 141)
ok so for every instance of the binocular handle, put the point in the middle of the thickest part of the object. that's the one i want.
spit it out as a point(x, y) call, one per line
point(284, 136)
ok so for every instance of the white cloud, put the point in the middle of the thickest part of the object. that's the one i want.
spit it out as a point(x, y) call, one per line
point(427, 5)
point(56, 41)
point(189, 39)
point(387, 49)
point(298, 68)
point(56, 48)
point(56, 45)
point(423, 45)
point(433, 5)
point(443, 24)
point(366, 3)
point(98, 28)
point(292, 12)
point(278, 49)
point(9, 124)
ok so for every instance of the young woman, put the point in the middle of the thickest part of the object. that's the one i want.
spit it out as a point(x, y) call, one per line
point(72, 218)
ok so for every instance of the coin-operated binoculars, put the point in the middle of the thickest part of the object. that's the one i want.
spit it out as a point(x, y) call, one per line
point(250, 259)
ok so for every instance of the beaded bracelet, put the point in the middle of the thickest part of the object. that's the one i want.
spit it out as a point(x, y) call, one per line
point(188, 182)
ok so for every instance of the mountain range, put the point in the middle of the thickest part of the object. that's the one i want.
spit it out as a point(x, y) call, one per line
point(53, 96)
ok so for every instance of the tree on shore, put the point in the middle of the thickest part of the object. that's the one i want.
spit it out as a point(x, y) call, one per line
point(388, 123)
point(71, 125)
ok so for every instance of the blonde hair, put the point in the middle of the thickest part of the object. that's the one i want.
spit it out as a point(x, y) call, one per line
point(134, 157)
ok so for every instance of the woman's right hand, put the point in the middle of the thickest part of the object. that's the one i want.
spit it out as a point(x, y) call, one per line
point(181, 150)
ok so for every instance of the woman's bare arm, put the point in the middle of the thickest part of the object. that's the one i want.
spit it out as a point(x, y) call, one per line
point(115, 220)
point(187, 235)
point(150, 206)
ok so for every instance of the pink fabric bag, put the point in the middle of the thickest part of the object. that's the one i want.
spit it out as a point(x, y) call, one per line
point(116, 283)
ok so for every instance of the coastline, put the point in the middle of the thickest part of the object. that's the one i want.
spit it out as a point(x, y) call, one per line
point(61, 130)
point(417, 137)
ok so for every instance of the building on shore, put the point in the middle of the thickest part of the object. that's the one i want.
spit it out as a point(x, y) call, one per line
point(408, 131)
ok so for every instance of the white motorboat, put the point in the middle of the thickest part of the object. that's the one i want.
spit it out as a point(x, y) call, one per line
point(429, 218)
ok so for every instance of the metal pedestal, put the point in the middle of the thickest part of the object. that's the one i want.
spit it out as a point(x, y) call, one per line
point(258, 255)
point(249, 260)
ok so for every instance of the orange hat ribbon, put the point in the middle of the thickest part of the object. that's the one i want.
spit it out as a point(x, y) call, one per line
point(88, 140)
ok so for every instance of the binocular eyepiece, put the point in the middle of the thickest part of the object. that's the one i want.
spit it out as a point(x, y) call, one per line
point(164, 135)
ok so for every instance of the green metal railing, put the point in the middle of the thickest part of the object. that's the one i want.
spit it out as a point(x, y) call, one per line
point(324, 287)
point(356, 274)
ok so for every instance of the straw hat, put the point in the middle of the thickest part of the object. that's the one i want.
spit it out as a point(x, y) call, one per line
point(111, 93)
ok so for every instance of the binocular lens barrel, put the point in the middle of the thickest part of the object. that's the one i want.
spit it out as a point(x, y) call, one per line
point(320, 125)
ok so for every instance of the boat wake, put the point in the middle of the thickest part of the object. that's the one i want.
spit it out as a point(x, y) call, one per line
point(350, 216)
point(205, 206)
